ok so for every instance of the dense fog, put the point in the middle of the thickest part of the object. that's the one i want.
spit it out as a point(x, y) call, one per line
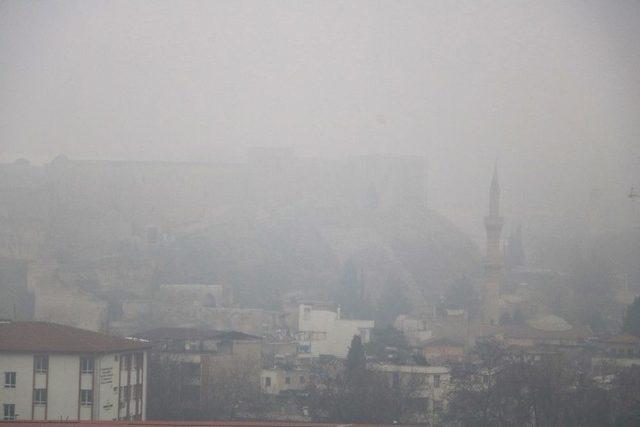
point(379, 211)
point(548, 89)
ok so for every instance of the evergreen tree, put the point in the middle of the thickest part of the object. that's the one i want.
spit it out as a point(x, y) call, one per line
point(356, 364)
point(631, 324)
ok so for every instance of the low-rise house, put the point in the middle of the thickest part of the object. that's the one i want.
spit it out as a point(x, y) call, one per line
point(54, 372)
point(415, 329)
point(617, 351)
point(324, 332)
point(547, 331)
point(442, 350)
point(281, 380)
point(276, 351)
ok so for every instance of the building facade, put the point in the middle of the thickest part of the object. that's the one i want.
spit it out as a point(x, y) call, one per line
point(324, 332)
point(424, 389)
point(194, 364)
point(280, 380)
point(56, 372)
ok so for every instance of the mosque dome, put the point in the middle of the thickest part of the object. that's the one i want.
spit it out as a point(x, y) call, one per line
point(22, 161)
point(550, 323)
point(60, 159)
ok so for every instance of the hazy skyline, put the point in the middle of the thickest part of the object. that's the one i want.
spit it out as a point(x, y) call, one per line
point(549, 89)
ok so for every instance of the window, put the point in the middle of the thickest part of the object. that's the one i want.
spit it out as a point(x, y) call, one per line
point(267, 381)
point(210, 346)
point(86, 397)
point(9, 380)
point(395, 379)
point(302, 379)
point(436, 381)
point(139, 360)
point(127, 362)
point(287, 380)
point(137, 391)
point(9, 412)
point(192, 345)
point(86, 365)
point(41, 364)
point(40, 396)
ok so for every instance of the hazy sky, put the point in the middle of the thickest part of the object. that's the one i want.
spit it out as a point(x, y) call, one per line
point(550, 88)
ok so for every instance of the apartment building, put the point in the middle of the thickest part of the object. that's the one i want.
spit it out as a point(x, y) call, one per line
point(193, 359)
point(57, 372)
point(425, 389)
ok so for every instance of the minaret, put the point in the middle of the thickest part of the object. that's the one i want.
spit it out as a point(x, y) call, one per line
point(493, 263)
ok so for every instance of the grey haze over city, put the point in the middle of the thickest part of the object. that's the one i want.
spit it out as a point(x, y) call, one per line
point(347, 212)
point(549, 89)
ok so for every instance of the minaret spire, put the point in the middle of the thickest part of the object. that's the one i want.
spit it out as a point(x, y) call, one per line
point(493, 262)
point(494, 193)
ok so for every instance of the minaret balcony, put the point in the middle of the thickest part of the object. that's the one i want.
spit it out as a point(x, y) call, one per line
point(494, 222)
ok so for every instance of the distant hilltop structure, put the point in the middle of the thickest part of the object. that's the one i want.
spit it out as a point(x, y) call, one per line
point(103, 200)
point(112, 231)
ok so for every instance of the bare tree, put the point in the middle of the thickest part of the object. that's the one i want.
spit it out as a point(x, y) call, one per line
point(173, 391)
point(231, 391)
point(505, 390)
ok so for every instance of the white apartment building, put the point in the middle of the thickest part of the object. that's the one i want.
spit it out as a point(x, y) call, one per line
point(56, 372)
point(323, 332)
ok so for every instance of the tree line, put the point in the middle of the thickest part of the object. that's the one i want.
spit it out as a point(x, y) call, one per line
point(506, 389)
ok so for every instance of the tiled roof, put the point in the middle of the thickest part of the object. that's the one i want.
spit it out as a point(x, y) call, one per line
point(576, 333)
point(627, 339)
point(443, 341)
point(51, 337)
point(193, 334)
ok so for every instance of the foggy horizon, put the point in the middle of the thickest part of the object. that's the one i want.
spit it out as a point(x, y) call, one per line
point(549, 90)
point(324, 212)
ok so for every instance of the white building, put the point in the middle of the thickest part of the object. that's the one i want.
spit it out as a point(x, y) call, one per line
point(57, 372)
point(323, 332)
